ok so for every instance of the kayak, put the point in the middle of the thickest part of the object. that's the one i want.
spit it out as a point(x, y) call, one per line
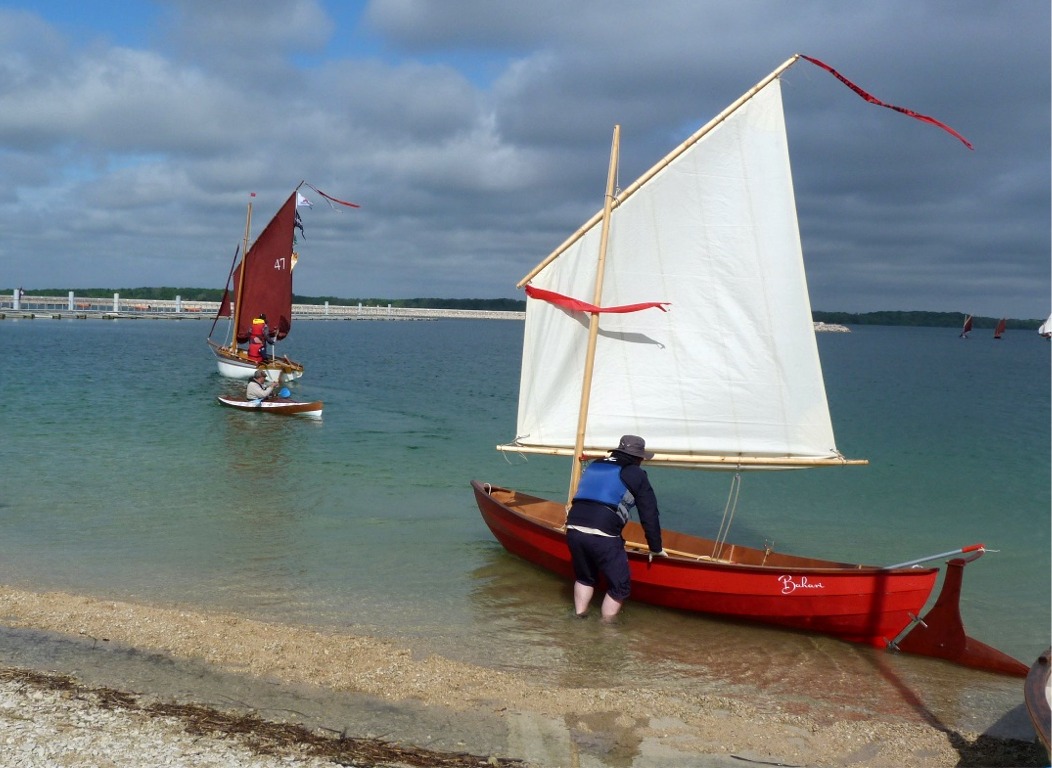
point(280, 405)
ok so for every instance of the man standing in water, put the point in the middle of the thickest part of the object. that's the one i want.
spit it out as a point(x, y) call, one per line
point(608, 490)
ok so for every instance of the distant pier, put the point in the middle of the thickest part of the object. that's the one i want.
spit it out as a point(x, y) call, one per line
point(58, 308)
point(75, 308)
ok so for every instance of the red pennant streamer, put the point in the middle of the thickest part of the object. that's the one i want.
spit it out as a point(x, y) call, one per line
point(330, 197)
point(582, 306)
point(878, 102)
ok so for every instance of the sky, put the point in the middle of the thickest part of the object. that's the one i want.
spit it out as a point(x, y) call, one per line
point(475, 136)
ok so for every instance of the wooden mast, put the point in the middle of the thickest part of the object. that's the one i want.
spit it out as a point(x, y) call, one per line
point(593, 323)
point(241, 278)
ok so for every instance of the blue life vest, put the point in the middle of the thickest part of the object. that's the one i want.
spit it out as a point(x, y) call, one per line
point(601, 482)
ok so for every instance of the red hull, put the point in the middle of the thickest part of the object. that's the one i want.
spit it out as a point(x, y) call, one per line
point(861, 604)
point(857, 603)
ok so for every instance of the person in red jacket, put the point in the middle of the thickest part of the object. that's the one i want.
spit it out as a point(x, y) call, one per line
point(256, 349)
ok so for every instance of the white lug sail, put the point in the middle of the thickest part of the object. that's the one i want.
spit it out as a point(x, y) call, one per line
point(732, 369)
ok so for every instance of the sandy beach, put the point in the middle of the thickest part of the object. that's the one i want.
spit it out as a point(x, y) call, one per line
point(421, 711)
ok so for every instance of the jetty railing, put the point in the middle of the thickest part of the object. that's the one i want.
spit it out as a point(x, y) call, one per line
point(72, 306)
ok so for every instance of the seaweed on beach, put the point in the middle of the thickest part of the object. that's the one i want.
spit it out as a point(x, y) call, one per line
point(265, 737)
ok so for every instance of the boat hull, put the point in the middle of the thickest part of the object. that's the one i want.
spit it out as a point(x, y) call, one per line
point(281, 406)
point(238, 366)
point(856, 603)
point(1037, 693)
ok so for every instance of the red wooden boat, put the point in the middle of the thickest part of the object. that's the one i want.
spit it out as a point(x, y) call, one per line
point(729, 379)
point(862, 604)
point(866, 604)
point(999, 331)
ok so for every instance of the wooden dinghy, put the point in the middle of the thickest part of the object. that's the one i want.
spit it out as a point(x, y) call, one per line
point(236, 364)
point(857, 603)
point(281, 405)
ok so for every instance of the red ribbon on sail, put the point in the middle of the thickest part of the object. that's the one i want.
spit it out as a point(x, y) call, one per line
point(873, 100)
point(583, 306)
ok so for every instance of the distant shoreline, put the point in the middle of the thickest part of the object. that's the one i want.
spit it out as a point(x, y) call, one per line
point(70, 305)
point(299, 312)
point(80, 308)
point(200, 311)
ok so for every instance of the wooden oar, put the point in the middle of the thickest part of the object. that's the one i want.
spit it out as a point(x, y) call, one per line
point(673, 552)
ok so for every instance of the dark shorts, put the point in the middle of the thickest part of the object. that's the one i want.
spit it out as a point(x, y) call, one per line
point(593, 556)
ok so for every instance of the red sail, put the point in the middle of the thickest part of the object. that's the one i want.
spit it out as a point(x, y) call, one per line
point(267, 287)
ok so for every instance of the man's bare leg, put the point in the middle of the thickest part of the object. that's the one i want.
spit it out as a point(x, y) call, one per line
point(582, 596)
point(610, 607)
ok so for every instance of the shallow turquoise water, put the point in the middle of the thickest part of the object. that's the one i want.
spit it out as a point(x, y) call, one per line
point(123, 477)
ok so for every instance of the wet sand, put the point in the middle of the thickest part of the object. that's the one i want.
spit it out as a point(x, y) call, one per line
point(434, 706)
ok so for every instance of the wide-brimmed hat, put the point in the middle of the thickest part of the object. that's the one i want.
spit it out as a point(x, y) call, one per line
point(634, 445)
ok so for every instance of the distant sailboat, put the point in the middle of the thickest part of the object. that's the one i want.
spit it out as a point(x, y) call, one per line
point(1045, 329)
point(261, 283)
point(967, 327)
point(1000, 330)
point(258, 295)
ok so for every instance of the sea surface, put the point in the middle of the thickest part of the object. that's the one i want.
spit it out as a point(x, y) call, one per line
point(122, 477)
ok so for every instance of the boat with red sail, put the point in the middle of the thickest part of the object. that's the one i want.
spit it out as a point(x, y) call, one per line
point(259, 285)
point(258, 295)
point(690, 324)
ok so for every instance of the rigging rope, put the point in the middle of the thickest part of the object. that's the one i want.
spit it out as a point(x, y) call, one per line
point(728, 515)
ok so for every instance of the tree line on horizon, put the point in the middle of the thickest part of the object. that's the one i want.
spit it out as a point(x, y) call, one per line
point(889, 317)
